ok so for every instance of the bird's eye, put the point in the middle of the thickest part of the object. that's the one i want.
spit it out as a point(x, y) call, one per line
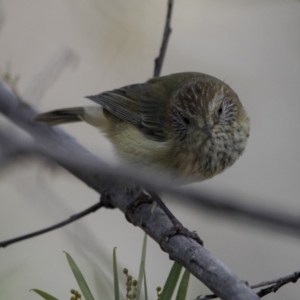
point(220, 110)
point(186, 120)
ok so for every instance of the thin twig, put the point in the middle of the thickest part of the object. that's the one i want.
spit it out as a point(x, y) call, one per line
point(291, 277)
point(160, 59)
point(276, 284)
point(71, 219)
point(280, 283)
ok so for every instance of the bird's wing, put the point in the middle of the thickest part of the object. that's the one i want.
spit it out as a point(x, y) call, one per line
point(142, 105)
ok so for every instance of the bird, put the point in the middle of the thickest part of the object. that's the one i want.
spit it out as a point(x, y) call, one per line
point(189, 125)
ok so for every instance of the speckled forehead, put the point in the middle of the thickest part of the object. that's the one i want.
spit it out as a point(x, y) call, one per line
point(216, 99)
point(198, 97)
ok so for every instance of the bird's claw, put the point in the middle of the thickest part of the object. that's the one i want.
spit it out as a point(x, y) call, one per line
point(131, 207)
point(178, 228)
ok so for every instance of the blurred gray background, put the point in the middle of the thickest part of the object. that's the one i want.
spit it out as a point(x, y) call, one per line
point(66, 49)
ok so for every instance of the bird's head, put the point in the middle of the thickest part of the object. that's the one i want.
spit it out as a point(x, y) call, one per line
point(207, 118)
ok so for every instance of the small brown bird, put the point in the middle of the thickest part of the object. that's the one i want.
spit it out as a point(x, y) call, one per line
point(190, 124)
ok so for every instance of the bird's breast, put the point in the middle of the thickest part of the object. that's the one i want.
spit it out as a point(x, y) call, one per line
point(190, 166)
point(203, 161)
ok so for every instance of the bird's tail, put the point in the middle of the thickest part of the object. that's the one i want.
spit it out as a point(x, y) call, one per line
point(61, 116)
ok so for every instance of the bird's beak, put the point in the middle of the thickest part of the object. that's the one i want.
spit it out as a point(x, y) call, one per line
point(206, 129)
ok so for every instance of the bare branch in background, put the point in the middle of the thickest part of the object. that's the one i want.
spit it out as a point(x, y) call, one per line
point(163, 48)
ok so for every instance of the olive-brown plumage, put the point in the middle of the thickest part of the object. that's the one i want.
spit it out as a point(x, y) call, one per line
point(191, 125)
